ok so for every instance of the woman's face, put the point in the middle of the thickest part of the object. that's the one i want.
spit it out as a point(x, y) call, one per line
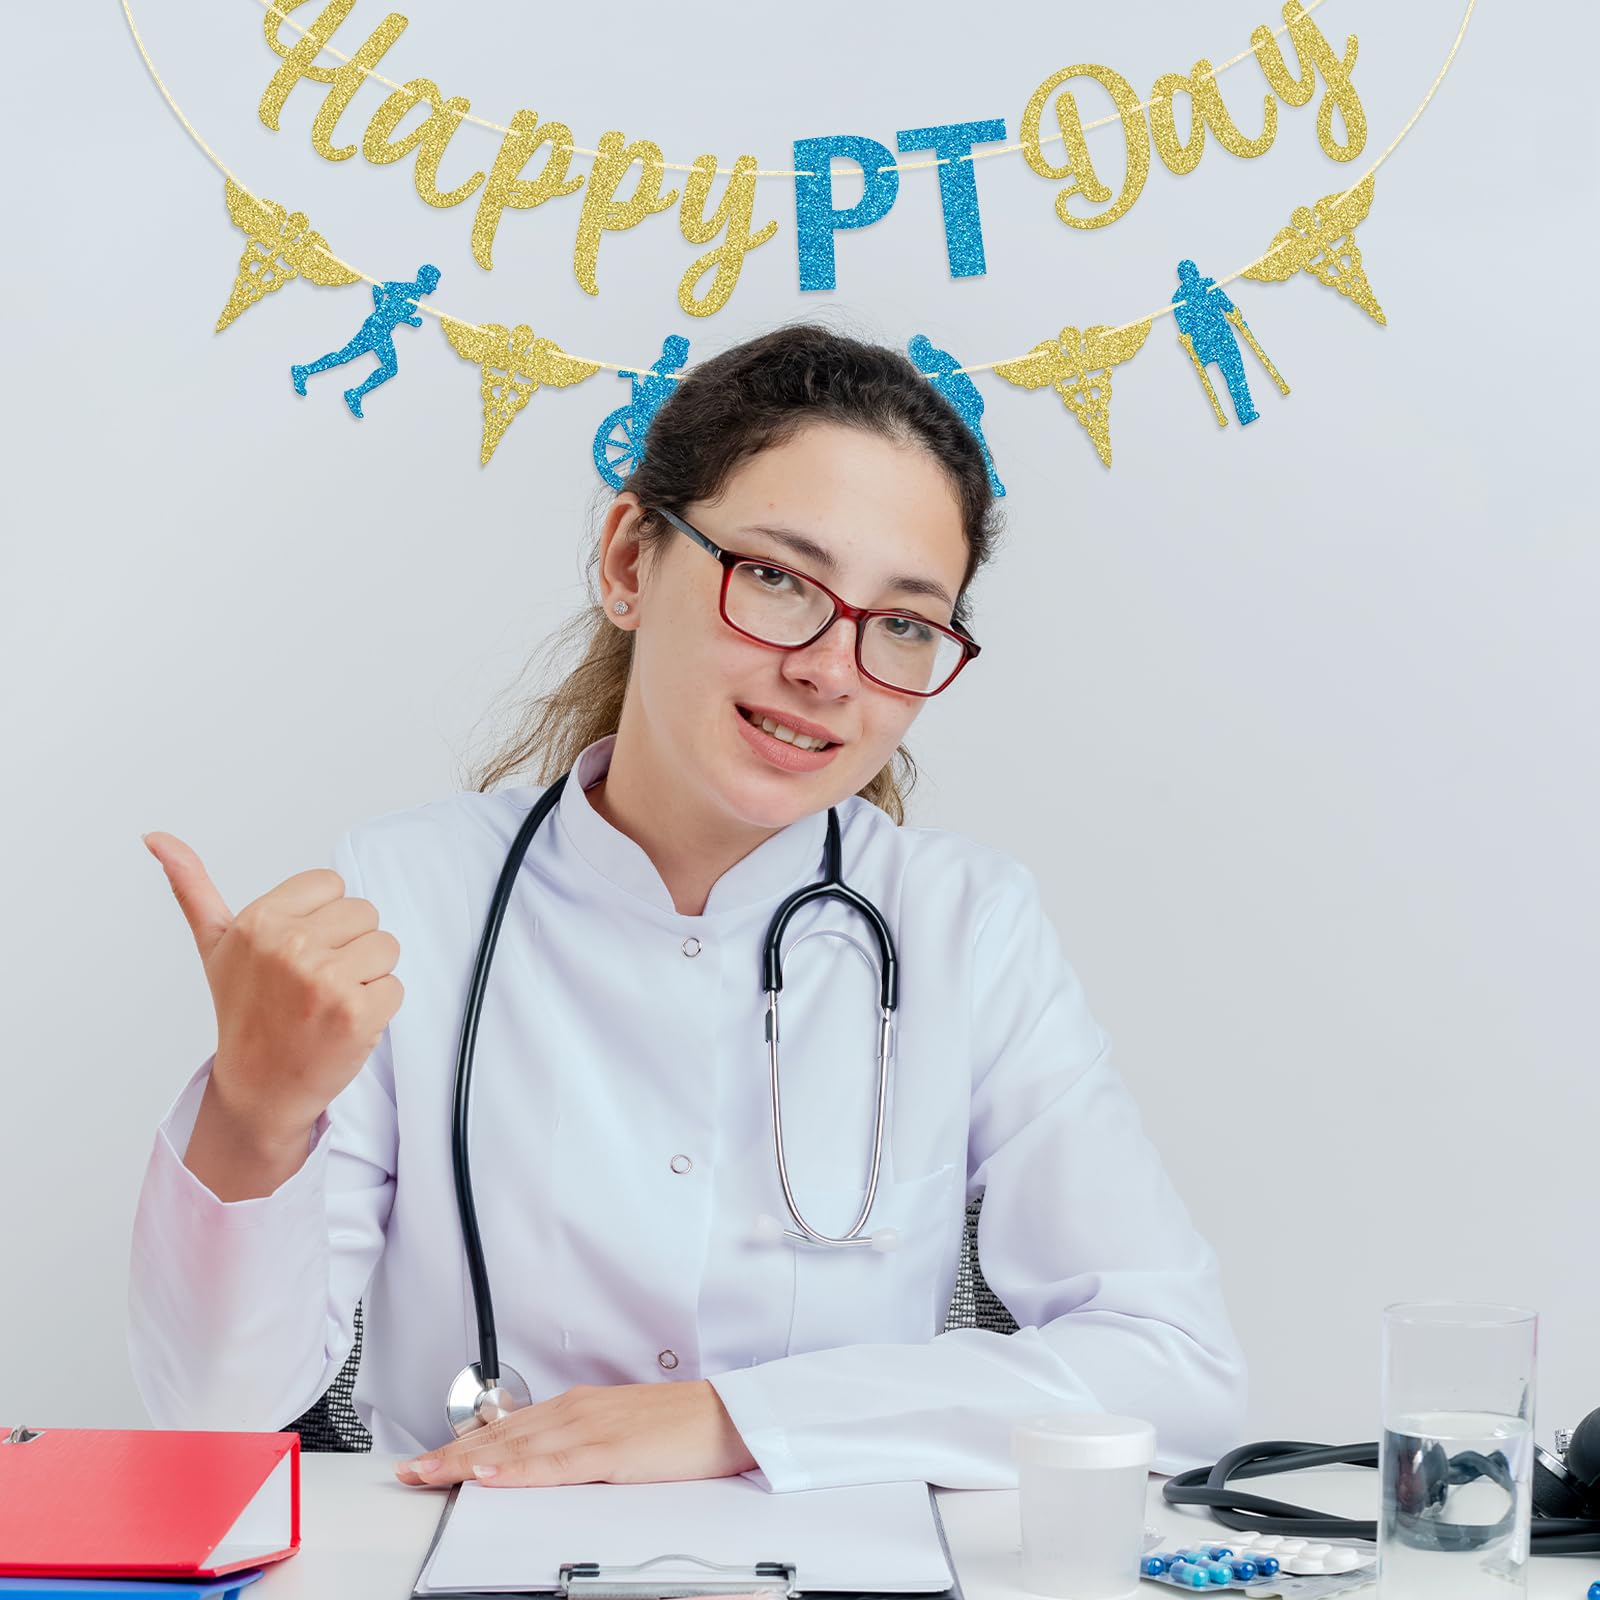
point(872, 514)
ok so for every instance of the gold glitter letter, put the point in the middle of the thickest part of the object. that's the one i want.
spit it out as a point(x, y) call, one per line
point(330, 19)
point(1205, 106)
point(603, 212)
point(343, 82)
point(1314, 54)
point(1078, 166)
point(380, 147)
point(505, 188)
point(734, 216)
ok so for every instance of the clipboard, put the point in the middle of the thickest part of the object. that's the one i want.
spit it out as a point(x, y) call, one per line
point(597, 1580)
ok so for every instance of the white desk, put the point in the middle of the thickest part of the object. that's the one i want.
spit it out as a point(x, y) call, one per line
point(363, 1534)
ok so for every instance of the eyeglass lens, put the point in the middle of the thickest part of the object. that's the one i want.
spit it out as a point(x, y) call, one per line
point(784, 609)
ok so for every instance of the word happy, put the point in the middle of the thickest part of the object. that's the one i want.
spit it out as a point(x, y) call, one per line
point(503, 186)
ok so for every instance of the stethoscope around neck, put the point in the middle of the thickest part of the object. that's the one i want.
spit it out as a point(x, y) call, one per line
point(486, 1390)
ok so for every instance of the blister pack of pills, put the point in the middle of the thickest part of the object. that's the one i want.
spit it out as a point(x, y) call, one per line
point(1301, 1557)
point(1262, 1565)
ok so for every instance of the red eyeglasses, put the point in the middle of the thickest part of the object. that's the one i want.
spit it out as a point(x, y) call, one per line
point(777, 606)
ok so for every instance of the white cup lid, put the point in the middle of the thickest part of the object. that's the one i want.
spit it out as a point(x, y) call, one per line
point(1084, 1439)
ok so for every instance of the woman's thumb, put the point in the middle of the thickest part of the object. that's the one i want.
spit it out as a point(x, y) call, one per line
point(200, 901)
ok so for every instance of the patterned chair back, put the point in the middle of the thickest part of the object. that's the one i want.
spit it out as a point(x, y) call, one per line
point(332, 1423)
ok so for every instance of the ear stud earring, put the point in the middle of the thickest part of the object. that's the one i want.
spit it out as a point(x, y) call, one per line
point(620, 607)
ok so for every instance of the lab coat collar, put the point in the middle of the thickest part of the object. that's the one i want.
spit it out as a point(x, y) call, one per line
point(777, 866)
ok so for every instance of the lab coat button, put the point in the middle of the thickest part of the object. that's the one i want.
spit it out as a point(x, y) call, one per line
point(668, 1359)
point(681, 1163)
point(691, 946)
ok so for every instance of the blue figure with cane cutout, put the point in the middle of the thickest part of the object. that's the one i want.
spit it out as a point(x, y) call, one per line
point(1207, 320)
point(941, 369)
point(392, 304)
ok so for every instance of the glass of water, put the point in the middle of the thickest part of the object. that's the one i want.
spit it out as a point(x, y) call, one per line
point(1456, 1457)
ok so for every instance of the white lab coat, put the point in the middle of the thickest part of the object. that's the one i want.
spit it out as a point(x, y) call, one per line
point(618, 1035)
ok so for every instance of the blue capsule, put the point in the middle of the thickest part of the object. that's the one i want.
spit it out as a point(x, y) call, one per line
point(1267, 1565)
point(1154, 1565)
point(1242, 1568)
point(1188, 1574)
point(1217, 1572)
point(1218, 1552)
point(1594, 1591)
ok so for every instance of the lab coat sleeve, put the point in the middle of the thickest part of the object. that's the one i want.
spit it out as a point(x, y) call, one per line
point(1083, 1238)
point(241, 1313)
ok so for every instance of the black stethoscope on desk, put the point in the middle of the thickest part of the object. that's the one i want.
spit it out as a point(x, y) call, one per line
point(485, 1390)
point(1565, 1514)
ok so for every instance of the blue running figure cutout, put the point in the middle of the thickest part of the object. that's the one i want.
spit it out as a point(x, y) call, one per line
point(619, 440)
point(939, 368)
point(1207, 320)
point(392, 304)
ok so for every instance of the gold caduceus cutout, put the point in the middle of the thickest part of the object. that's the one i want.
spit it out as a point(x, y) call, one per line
point(1078, 367)
point(278, 246)
point(514, 363)
point(1321, 240)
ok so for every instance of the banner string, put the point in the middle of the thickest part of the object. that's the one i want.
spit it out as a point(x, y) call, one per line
point(977, 366)
point(789, 172)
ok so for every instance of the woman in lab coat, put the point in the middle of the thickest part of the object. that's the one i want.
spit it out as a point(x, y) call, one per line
point(622, 1127)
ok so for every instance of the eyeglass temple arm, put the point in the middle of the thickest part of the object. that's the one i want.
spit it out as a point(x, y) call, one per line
point(694, 533)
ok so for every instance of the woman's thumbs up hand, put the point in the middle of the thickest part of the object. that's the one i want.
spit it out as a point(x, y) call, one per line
point(302, 985)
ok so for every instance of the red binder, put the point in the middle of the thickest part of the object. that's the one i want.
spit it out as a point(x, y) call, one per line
point(136, 1503)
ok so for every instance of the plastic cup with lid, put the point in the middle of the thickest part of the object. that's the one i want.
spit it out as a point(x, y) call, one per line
point(1081, 1480)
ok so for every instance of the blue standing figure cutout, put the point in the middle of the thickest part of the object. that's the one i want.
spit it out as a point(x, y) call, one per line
point(392, 303)
point(1207, 320)
point(619, 440)
point(939, 367)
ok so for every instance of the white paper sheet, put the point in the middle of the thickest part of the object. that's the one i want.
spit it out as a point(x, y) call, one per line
point(879, 1536)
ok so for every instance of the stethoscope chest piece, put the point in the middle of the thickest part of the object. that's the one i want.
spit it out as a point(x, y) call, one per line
point(471, 1404)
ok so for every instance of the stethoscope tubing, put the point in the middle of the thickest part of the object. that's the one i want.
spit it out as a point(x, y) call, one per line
point(471, 1238)
point(1253, 1513)
point(830, 886)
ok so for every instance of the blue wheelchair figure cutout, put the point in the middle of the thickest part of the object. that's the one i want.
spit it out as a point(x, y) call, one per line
point(392, 303)
point(939, 367)
point(1207, 320)
point(619, 440)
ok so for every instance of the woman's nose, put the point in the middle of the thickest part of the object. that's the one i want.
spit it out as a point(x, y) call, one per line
point(829, 661)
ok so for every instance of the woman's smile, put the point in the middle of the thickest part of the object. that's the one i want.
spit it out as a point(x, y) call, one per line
point(783, 746)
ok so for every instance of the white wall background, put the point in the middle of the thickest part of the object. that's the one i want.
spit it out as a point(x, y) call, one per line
point(1303, 748)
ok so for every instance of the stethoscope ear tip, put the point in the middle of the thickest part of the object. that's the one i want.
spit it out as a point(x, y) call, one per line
point(767, 1229)
point(885, 1239)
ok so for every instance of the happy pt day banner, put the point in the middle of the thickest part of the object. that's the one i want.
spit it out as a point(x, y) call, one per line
point(1295, 61)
